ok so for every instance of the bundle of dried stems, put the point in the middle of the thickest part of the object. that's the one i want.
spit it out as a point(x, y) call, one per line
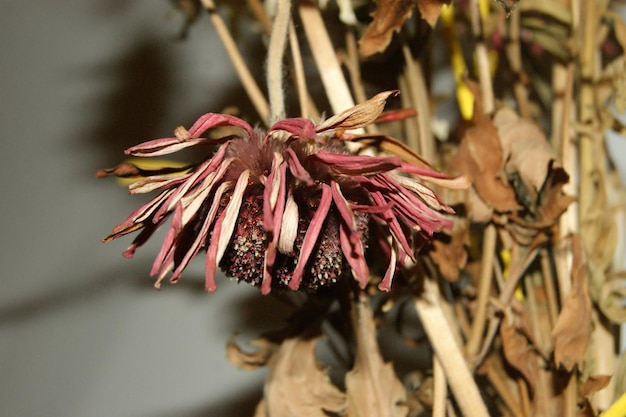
point(511, 300)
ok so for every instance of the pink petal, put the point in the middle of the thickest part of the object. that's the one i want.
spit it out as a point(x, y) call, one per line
point(275, 180)
point(354, 254)
point(299, 127)
point(385, 284)
point(206, 168)
point(210, 265)
point(201, 236)
point(156, 182)
point(297, 169)
point(168, 245)
point(210, 120)
point(310, 238)
point(356, 164)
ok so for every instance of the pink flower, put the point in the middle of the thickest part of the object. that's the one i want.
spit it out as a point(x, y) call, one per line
point(290, 207)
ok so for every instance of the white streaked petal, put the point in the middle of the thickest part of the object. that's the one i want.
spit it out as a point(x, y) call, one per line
point(278, 159)
point(195, 199)
point(231, 214)
point(423, 191)
point(289, 227)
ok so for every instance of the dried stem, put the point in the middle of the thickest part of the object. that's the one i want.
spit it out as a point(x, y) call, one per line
point(514, 55)
point(548, 282)
point(419, 99)
point(303, 93)
point(516, 272)
point(275, 53)
point(252, 89)
point(503, 391)
point(484, 285)
point(324, 54)
point(482, 59)
point(440, 335)
point(440, 389)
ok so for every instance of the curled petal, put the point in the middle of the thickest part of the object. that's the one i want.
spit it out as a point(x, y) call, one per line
point(310, 238)
point(231, 214)
point(357, 165)
point(298, 127)
point(289, 227)
point(210, 120)
point(358, 116)
point(296, 168)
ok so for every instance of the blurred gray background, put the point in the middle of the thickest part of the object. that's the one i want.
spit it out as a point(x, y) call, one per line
point(82, 331)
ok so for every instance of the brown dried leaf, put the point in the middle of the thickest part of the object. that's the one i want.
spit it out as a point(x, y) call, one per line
point(431, 9)
point(358, 116)
point(525, 149)
point(450, 256)
point(480, 158)
point(388, 17)
point(373, 390)
point(593, 384)
point(250, 360)
point(519, 353)
point(296, 386)
point(572, 329)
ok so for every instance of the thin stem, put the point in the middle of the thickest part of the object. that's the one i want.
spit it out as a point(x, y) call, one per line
point(484, 286)
point(324, 54)
point(303, 94)
point(514, 55)
point(548, 282)
point(503, 391)
point(252, 89)
point(482, 59)
point(275, 53)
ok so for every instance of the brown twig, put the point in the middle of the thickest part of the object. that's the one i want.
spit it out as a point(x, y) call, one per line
point(251, 87)
point(275, 53)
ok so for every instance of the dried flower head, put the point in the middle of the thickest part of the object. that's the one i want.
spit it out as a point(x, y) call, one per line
point(290, 207)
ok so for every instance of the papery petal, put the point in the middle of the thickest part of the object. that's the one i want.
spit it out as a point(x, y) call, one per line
point(289, 227)
point(204, 169)
point(137, 217)
point(392, 223)
point(296, 168)
point(274, 182)
point(385, 284)
point(156, 182)
point(356, 164)
point(350, 238)
point(298, 127)
point(210, 264)
point(231, 214)
point(353, 251)
point(210, 120)
point(358, 116)
point(202, 234)
point(168, 246)
point(425, 193)
point(310, 238)
point(195, 199)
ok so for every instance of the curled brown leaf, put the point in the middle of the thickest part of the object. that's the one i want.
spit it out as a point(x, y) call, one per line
point(572, 329)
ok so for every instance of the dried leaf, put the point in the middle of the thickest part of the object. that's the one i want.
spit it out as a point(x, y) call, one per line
point(250, 360)
point(525, 149)
point(612, 300)
point(431, 9)
point(593, 384)
point(450, 256)
point(572, 329)
point(519, 353)
point(480, 158)
point(388, 18)
point(373, 390)
point(296, 386)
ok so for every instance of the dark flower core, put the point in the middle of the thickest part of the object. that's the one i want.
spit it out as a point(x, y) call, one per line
point(244, 256)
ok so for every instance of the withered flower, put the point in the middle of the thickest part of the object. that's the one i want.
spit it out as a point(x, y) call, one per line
point(290, 207)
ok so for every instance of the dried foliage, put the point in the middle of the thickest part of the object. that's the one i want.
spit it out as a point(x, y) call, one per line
point(512, 302)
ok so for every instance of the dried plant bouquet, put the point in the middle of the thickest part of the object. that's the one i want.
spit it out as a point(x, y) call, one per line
point(426, 184)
